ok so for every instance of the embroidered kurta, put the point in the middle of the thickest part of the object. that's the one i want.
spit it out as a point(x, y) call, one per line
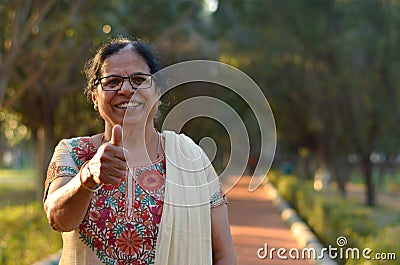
point(122, 223)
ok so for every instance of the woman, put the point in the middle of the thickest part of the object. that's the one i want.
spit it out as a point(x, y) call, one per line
point(126, 196)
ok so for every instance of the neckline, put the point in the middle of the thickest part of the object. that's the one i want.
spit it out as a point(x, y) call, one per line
point(154, 162)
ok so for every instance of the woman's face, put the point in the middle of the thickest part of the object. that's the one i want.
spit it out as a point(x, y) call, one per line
point(138, 104)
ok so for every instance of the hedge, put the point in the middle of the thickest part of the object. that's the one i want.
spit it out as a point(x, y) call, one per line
point(331, 216)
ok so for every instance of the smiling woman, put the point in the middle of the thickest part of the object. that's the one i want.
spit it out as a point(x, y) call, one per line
point(110, 193)
point(123, 81)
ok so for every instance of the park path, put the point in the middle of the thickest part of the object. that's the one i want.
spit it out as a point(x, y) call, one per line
point(255, 221)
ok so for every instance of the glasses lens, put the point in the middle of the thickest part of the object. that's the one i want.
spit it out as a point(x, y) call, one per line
point(142, 81)
point(111, 83)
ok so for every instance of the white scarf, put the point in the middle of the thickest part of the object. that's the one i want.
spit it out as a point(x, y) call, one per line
point(185, 229)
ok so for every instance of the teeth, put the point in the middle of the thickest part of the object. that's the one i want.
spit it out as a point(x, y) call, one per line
point(128, 105)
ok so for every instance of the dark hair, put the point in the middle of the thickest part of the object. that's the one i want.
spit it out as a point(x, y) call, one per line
point(93, 66)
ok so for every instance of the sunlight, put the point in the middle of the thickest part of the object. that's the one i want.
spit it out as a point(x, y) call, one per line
point(211, 5)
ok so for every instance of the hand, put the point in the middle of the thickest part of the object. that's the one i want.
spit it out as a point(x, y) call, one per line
point(108, 166)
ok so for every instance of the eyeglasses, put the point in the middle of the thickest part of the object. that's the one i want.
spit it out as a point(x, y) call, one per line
point(115, 82)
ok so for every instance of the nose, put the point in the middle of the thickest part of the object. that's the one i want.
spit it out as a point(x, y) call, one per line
point(126, 88)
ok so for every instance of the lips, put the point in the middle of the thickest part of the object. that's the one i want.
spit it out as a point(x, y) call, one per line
point(128, 105)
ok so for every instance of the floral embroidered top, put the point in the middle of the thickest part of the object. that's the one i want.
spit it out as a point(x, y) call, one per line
point(122, 223)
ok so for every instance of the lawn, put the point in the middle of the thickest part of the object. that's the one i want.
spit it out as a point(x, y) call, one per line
point(25, 234)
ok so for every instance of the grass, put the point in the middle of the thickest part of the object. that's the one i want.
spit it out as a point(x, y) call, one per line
point(20, 175)
point(26, 237)
point(387, 183)
point(25, 234)
point(387, 210)
point(16, 186)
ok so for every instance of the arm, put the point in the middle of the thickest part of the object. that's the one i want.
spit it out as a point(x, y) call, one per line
point(222, 244)
point(68, 200)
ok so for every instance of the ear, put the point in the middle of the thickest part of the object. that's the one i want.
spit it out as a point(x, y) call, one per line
point(159, 97)
point(94, 97)
point(158, 93)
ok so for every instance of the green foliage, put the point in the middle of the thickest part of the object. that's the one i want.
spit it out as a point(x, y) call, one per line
point(385, 242)
point(287, 185)
point(12, 128)
point(328, 68)
point(331, 216)
point(25, 235)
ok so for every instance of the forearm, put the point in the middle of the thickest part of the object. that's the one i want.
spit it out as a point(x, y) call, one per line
point(222, 244)
point(225, 261)
point(67, 204)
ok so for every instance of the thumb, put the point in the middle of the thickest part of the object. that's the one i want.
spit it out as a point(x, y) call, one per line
point(116, 135)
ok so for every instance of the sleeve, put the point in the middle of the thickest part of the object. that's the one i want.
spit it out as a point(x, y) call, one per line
point(218, 198)
point(217, 193)
point(61, 165)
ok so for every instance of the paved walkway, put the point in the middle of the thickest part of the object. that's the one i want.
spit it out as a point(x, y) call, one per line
point(255, 221)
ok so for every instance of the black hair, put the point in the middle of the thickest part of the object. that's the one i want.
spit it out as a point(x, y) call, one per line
point(93, 66)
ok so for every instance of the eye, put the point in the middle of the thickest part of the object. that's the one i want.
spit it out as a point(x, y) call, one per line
point(111, 82)
point(138, 80)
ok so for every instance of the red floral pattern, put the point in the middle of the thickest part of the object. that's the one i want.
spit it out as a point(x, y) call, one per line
point(151, 180)
point(119, 235)
point(130, 242)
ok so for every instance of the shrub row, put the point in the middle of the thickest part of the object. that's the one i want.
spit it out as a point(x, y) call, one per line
point(331, 216)
point(25, 235)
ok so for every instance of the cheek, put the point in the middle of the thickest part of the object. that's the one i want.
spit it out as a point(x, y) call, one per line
point(105, 98)
point(153, 99)
point(156, 94)
point(152, 94)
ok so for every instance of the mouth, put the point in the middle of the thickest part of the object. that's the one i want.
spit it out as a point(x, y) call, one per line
point(128, 105)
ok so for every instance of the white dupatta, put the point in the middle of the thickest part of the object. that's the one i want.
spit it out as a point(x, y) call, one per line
point(185, 229)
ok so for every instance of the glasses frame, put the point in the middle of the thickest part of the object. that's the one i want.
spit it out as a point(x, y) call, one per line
point(98, 81)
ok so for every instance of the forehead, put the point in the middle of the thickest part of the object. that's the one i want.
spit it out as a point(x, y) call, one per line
point(124, 62)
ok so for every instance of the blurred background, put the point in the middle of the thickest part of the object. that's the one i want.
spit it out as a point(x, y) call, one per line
point(329, 69)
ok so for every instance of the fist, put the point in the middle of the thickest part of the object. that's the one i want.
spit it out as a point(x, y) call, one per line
point(108, 166)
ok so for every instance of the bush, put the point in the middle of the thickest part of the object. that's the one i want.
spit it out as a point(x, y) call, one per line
point(385, 242)
point(25, 235)
point(331, 216)
point(287, 186)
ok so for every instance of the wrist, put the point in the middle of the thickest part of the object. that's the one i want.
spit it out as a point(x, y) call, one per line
point(86, 178)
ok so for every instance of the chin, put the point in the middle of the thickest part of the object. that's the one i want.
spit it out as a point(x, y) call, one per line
point(133, 120)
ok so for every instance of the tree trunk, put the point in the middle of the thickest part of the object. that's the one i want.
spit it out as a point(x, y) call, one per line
point(3, 85)
point(341, 176)
point(370, 189)
point(45, 137)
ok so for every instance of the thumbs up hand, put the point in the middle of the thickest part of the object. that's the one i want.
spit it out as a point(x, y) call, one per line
point(108, 165)
point(116, 135)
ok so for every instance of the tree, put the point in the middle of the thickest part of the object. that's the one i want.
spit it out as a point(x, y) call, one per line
point(20, 20)
point(47, 43)
point(328, 69)
point(36, 82)
point(372, 83)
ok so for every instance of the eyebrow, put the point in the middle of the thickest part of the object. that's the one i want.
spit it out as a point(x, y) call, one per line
point(135, 73)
